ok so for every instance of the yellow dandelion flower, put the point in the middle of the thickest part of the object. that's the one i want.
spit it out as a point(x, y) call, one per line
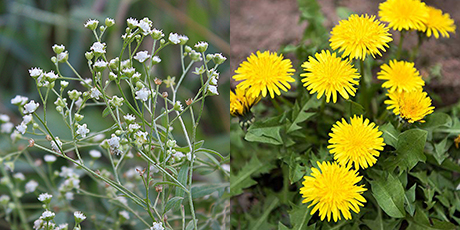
point(332, 189)
point(439, 23)
point(412, 106)
point(329, 75)
point(357, 142)
point(240, 103)
point(264, 72)
point(400, 76)
point(457, 141)
point(360, 35)
point(404, 14)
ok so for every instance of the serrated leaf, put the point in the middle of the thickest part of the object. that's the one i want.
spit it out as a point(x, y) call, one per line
point(421, 221)
point(410, 148)
point(206, 189)
point(267, 131)
point(389, 194)
point(175, 201)
point(270, 203)
point(243, 178)
point(300, 215)
point(390, 134)
point(440, 151)
point(300, 114)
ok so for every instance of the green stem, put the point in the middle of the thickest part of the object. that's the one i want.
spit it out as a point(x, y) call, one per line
point(401, 39)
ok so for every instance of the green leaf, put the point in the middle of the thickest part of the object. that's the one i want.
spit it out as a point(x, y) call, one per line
point(300, 114)
point(421, 221)
point(343, 12)
point(353, 108)
point(190, 225)
point(282, 226)
point(243, 178)
point(186, 149)
point(206, 189)
point(212, 152)
point(389, 194)
point(409, 200)
point(267, 131)
point(182, 178)
point(436, 120)
point(106, 112)
point(175, 201)
point(390, 134)
point(410, 148)
point(300, 215)
point(440, 151)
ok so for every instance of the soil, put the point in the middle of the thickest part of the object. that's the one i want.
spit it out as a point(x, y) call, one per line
point(270, 24)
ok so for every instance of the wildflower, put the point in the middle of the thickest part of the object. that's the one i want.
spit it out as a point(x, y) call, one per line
point(404, 15)
point(141, 56)
point(87, 82)
point(19, 100)
point(195, 56)
point(332, 189)
point(21, 128)
point(241, 103)
point(35, 72)
point(30, 107)
point(329, 75)
point(6, 127)
point(94, 154)
point(124, 214)
point(141, 137)
point(64, 84)
point(50, 158)
point(264, 72)
point(357, 142)
point(63, 57)
point(129, 71)
point(132, 23)
point(133, 127)
point(4, 199)
point(116, 101)
point(95, 93)
point(68, 196)
point(82, 130)
point(360, 35)
point(91, 24)
point(174, 38)
point(157, 226)
point(439, 23)
point(212, 90)
point(100, 65)
point(4, 118)
point(64, 226)
point(201, 46)
point(145, 25)
point(156, 60)
point(178, 106)
point(157, 34)
point(74, 94)
point(27, 119)
point(218, 58)
point(45, 198)
point(48, 215)
point(19, 176)
point(143, 94)
point(56, 145)
point(412, 106)
point(170, 81)
point(31, 186)
point(400, 76)
point(15, 135)
point(79, 217)
point(129, 118)
point(98, 48)
point(183, 39)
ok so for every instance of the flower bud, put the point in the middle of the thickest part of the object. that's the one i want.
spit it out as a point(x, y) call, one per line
point(89, 55)
point(201, 47)
point(109, 22)
point(58, 48)
point(171, 143)
point(79, 117)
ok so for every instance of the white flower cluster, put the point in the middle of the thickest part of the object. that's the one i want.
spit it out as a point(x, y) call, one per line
point(72, 181)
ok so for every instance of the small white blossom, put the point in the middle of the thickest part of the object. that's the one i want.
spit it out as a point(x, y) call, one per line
point(141, 137)
point(48, 215)
point(67, 172)
point(157, 226)
point(78, 103)
point(219, 58)
point(21, 128)
point(6, 127)
point(98, 48)
point(55, 146)
point(183, 39)
point(156, 60)
point(116, 101)
point(19, 100)
point(50, 158)
point(178, 106)
point(68, 195)
point(19, 176)
point(95, 93)
point(133, 127)
point(35, 72)
point(178, 156)
point(132, 22)
point(145, 25)
point(201, 46)
point(100, 65)
point(4, 118)
point(27, 118)
point(143, 94)
point(30, 107)
point(51, 76)
point(4, 199)
point(174, 38)
point(213, 90)
point(15, 135)
point(62, 57)
point(91, 24)
point(31, 186)
point(45, 197)
point(82, 130)
point(87, 82)
point(94, 153)
point(157, 34)
point(141, 56)
point(58, 48)
point(129, 118)
point(114, 142)
point(62, 226)
point(129, 71)
point(124, 214)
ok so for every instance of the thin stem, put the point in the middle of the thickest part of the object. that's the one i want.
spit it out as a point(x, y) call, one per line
point(401, 39)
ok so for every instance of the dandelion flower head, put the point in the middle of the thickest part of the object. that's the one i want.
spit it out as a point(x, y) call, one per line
point(439, 23)
point(264, 72)
point(332, 190)
point(328, 75)
point(404, 14)
point(240, 102)
point(412, 106)
point(400, 76)
point(358, 36)
point(357, 142)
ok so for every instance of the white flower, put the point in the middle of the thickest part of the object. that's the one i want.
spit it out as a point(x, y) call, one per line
point(82, 130)
point(141, 137)
point(100, 64)
point(114, 142)
point(68, 195)
point(189, 156)
point(6, 127)
point(27, 119)
point(143, 94)
point(48, 215)
point(62, 226)
point(157, 226)
point(124, 214)
point(19, 176)
point(213, 80)
point(70, 183)
point(201, 46)
point(31, 186)
point(78, 103)
point(145, 25)
point(50, 158)
point(156, 60)
point(4, 199)
point(94, 153)
point(98, 48)
point(55, 146)
point(38, 224)
point(129, 118)
point(226, 167)
point(141, 56)
point(62, 57)
point(45, 197)
point(157, 34)
point(30, 107)
point(174, 38)
point(129, 71)
point(213, 90)
point(178, 156)
point(58, 48)
point(133, 127)
point(35, 72)
point(219, 58)
point(183, 39)
point(51, 76)
point(132, 22)
point(21, 128)
point(178, 106)
point(91, 24)
point(19, 100)
point(4, 118)
point(67, 172)
point(15, 135)
point(87, 82)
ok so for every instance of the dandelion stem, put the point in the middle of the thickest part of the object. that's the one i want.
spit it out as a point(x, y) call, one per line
point(401, 39)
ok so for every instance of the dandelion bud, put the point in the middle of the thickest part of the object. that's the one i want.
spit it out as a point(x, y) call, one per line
point(79, 117)
point(109, 22)
point(58, 48)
